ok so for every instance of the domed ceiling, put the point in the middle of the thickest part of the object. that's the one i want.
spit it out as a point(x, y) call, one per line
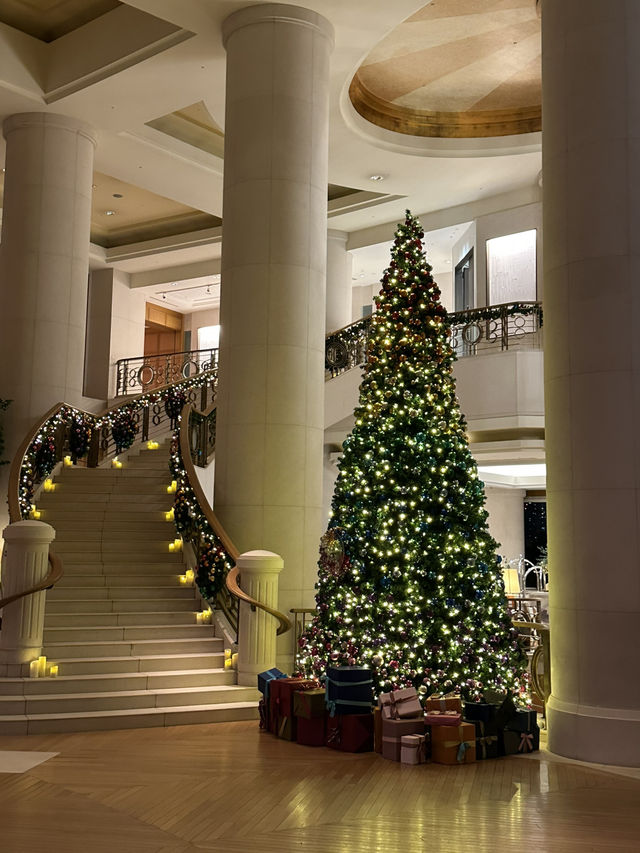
point(456, 68)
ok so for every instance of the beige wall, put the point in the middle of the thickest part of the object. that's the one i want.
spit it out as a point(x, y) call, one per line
point(506, 519)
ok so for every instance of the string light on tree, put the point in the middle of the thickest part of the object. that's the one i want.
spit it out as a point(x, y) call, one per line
point(409, 581)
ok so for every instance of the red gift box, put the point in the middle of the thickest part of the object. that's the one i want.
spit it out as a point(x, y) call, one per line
point(311, 732)
point(281, 720)
point(350, 732)
point(392, 732)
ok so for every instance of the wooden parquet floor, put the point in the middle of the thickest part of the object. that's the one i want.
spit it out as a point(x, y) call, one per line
point(230, 788)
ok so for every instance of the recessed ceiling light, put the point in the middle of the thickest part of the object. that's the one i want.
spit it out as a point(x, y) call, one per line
point(109, 213)
point(174, 283)
point(376, 177)
point(117, 195)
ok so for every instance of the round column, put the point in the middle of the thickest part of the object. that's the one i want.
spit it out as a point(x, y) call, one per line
point(25, 565)
point(259, 572)
point(591, 165)
point(268, 488)
point(44, 265)
point(339, 287)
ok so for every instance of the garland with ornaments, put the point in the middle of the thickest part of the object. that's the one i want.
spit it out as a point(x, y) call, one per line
point(76, 427)
point(191, 523)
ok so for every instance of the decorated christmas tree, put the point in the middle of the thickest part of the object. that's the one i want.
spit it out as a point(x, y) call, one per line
point(409, 582)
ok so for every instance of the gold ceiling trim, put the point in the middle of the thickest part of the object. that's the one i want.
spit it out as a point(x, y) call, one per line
point(470, 124)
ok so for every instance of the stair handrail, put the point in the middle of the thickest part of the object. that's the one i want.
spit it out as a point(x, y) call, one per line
point(231, 579)
point(54, 574)
point(19, 504)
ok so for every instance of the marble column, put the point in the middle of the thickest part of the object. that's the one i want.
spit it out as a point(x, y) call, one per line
point(591, 164)
point(268, 488)
point(339, 286)
point(44, 264)
point(259, 572)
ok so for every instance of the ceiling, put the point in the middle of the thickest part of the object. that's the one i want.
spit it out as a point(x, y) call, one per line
point(149, 76)
point(456, 68)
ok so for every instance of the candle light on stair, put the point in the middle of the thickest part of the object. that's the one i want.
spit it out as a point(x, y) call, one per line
point(68, 462)
point(228, 664)
point(115, 462)
point(53, 670)
point(234, 660)
point(34, 669)
point(227, 654)
point(49, 485)
point(173, 487)
point(42, 666)
point(169, 516)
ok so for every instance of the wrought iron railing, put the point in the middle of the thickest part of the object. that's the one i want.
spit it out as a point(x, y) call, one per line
point(67, 431)
point(145, 373)
point(495, 327)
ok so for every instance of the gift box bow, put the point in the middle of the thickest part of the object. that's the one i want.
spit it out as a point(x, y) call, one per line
point(334, 736)
point(484, 742)
point(526, 743)
point(442, 699)
point(463, 746)
point(392, 701)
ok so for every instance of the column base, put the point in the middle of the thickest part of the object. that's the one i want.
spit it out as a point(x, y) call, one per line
point(20, 655)
point(590, 733)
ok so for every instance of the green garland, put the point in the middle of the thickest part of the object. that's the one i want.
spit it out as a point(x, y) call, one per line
point(3, 406)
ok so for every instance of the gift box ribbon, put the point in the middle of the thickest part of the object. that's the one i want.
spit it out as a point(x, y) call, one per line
point(392, 701)
point(442, 700)
point(334, 736)
point(484, 742)
point(463, 746)
point(333, 703)
point(526, 743)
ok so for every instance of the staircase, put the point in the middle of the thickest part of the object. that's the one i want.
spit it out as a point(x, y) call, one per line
point(120, 625)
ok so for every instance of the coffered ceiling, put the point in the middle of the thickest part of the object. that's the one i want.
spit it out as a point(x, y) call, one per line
point(49, 19)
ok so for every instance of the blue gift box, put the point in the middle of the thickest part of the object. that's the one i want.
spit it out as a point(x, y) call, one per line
point(483, 712)
point(265, 677)
point(512, 742)
point(524, 720)
point(349, 690)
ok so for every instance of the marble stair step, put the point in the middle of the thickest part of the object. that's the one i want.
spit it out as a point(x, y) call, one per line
point(109, 568)
point(114, 682)
point(131, 719)
point(135, 648)
point(111, 581)
point(134, 618)
point(159, 663)
point(110, 592)
point(131, 605)
point(170, 559)
point(123, 700)
point(111, 633)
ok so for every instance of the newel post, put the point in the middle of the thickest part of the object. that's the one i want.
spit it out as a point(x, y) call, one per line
point(25, 564)
point(259, 572)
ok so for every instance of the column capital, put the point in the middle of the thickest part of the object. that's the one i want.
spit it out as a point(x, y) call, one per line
point(338, 236)
point(35, 532)
point(19, 121)
point(260, 561)
point(277, 13)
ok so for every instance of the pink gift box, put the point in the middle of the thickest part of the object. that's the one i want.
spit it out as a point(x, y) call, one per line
point(394, 730)
point(413, 749)
point(443, 718)
point(400, 704)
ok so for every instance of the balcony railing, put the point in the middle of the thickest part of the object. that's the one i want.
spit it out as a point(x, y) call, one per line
point(145, 373)
point(514, 325)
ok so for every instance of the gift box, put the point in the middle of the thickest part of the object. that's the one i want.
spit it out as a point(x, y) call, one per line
point(444, 702)
point(486, 740)
point(400, 704)
point(349, 690)
point(519, 743)
point(394, 730)
point(413, 749)
point(443, 718)
point(264, 679)
point(311, 731)
point(263, 710)
point(453, 745)
point(505, 707)
point(350, 732)
point(483, 711)
point(377, 730)
point(309, 704)
point(281, 691)
point(524, 720)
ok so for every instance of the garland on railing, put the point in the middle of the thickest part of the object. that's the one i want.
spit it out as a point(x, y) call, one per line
point(40, 457)
point(496, 312)
point(191, 523)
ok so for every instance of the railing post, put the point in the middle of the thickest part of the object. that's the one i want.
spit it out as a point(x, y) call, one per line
point(259, 572)
point(145, 423)
point(25, 564)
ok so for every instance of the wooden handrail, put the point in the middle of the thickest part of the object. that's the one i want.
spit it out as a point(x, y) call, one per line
point(231, 579)
point(234, 589)
point(52, 577)
point(16, 464)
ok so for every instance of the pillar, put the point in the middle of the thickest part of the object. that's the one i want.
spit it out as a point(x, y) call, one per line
point(25, 565)
point(44, 265)
point(259, 572)
point(268, 488)
point(591, 165)
point(339, 286)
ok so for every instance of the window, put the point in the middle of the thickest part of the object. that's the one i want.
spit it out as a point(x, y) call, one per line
point(511, 268)
point(208, 337)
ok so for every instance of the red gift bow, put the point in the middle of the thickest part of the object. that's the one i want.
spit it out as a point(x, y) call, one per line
point(526, 743)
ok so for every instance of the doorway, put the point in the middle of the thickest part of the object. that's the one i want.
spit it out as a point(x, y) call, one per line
point(464, 283)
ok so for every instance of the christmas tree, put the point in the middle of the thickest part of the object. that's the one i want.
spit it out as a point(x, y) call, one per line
point(409, 581)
